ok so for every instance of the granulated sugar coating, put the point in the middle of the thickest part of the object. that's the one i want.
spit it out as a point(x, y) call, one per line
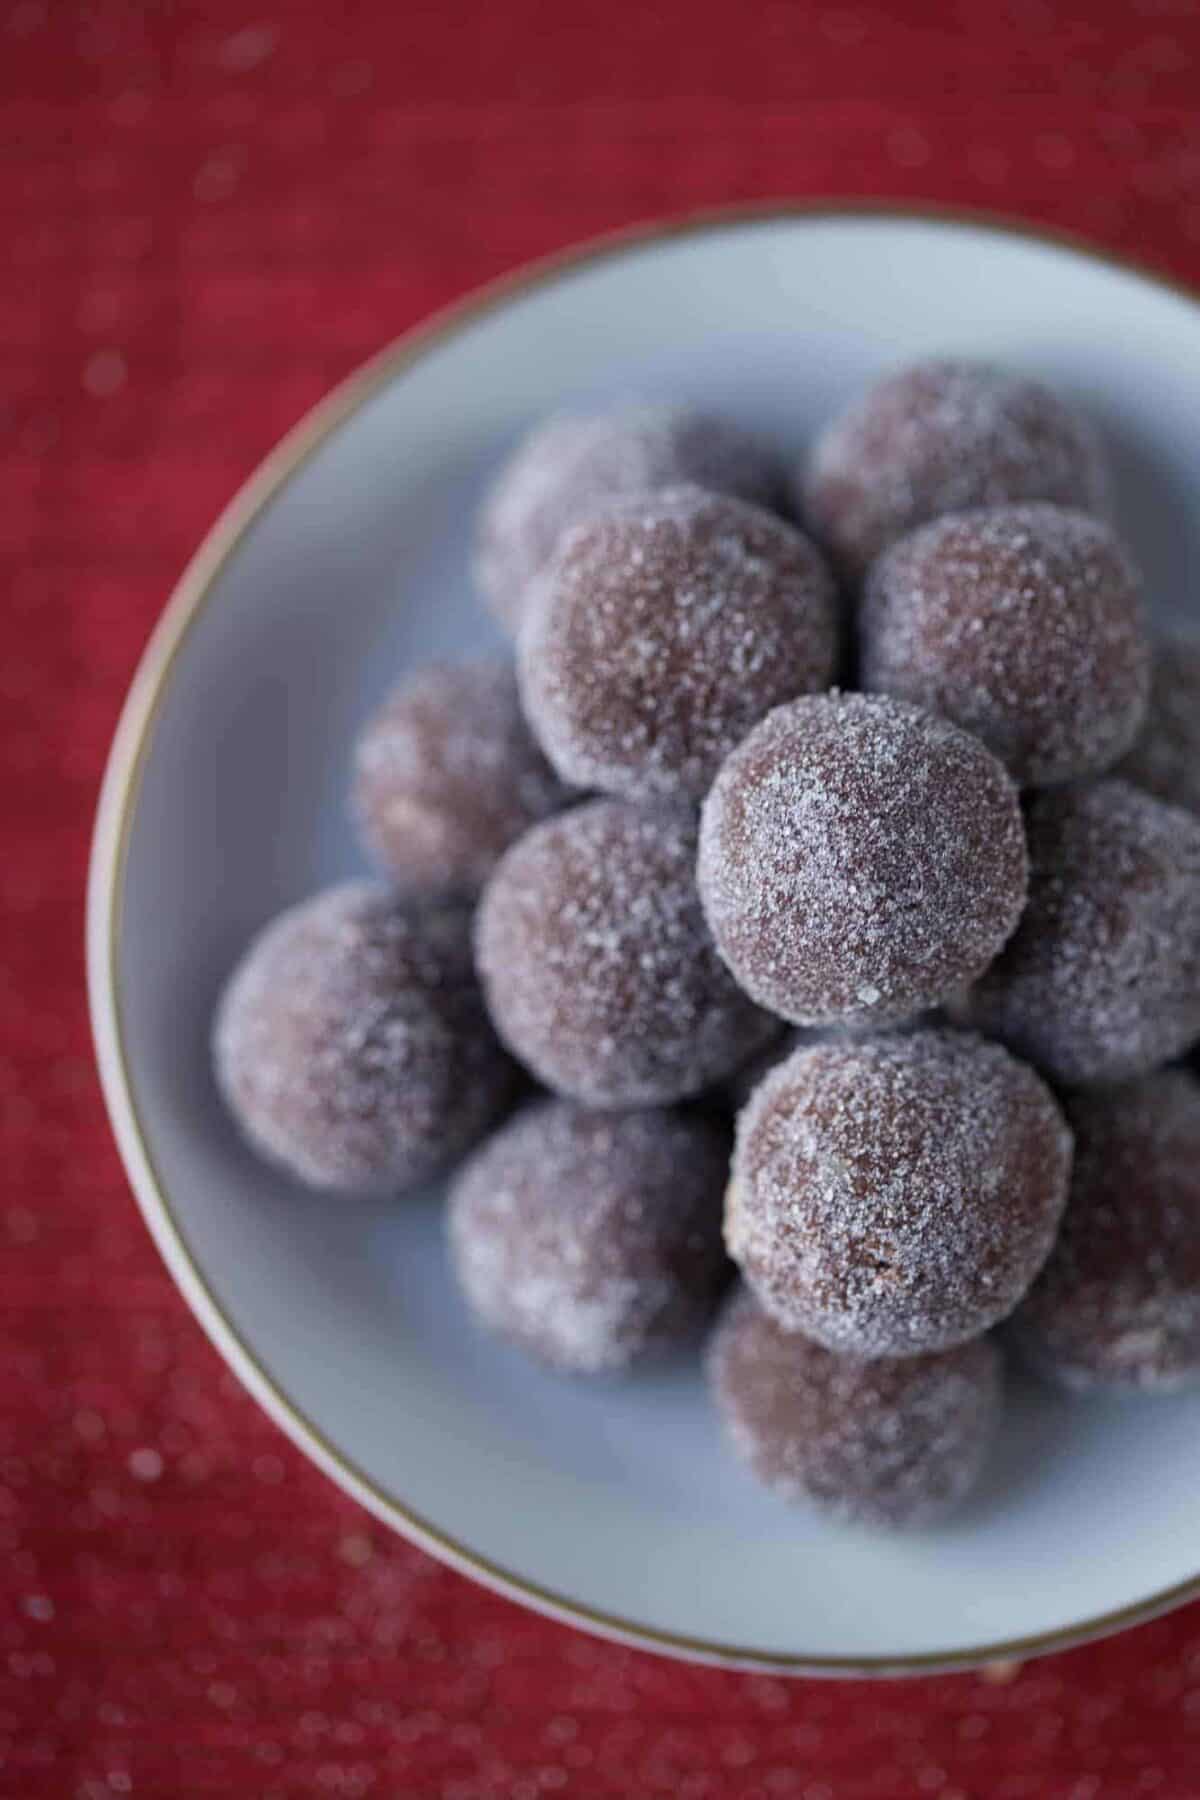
point(1118, 1304)
point(592, 1240)
point(352, 1044)
point(860, 860)
point(447, 776)
point(1165, 761)
point(570, 467)
point(1023, 624)
point(941, 437)
point(1102, 980)
point(597, 966)
point(662, 631)
point(890, 1443)
point(898, 1194)
point(737, 1089)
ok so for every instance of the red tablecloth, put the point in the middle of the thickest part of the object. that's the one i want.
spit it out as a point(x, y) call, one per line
point(210, 213)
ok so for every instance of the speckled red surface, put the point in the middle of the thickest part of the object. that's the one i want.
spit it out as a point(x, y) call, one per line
point(209, 214)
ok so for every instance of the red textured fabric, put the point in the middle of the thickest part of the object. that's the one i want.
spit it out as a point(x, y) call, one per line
point(210, 214)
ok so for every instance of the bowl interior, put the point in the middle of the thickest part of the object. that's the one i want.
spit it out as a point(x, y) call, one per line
point(614, 1497)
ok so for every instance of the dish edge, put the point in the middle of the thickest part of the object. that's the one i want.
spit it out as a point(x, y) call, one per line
point(105, 893)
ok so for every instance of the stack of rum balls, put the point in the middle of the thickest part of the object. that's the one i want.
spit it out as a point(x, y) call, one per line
point(880, 831)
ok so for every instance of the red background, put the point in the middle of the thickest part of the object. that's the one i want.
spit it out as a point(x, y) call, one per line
point(210, 214)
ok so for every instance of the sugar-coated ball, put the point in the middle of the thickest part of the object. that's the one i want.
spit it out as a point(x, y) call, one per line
point(662, 631)
point(447, 776)
point(1118, 1303)
point(898, 1194)
point(597, 966)
point(1165, 760)
point(570, 467)
point(889, 1443)
point(592, 1239)
point(860, 859)
point(351, 1042)
point(1024, 624)
point(1101, 981)
point(941, 437)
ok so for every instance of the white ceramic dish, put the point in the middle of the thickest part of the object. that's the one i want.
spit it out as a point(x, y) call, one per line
point(611, 1505)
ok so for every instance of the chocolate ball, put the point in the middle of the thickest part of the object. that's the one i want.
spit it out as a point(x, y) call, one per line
point(859, 860)
point(898, 1194)
point(942, 437)
point(884, 1443)
point(351, 1042)
point(597, 966)
point(662, 631)
point(447, 776)
point(1101, 981)
point(1118, 1303)
point(570, 467)
point(592, 1240)
point(1023, 624)
point(1165, 760)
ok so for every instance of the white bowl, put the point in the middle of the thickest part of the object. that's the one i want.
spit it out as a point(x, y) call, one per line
point(345, 559)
